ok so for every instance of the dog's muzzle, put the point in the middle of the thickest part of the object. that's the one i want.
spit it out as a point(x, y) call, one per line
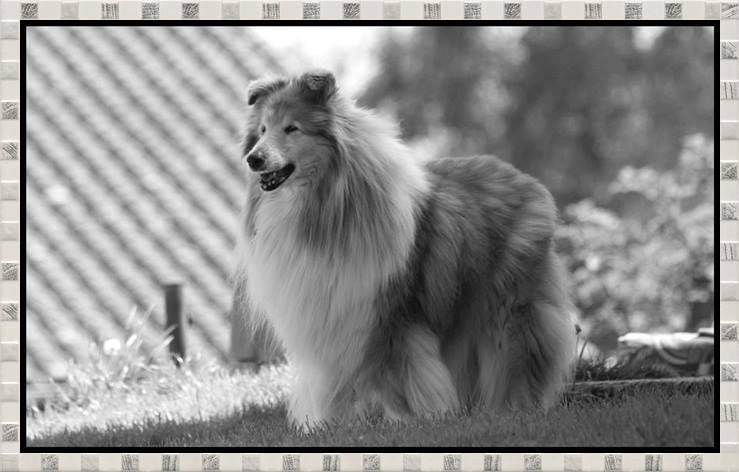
point(271, 180)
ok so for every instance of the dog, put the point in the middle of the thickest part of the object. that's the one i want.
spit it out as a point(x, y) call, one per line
point(416, 287)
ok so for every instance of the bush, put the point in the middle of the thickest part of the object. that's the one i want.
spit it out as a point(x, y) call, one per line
point(641, 258)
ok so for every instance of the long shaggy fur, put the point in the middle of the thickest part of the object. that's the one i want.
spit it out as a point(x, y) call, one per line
point(417, 287)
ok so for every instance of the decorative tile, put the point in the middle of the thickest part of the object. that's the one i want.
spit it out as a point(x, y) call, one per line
point(729, 252)
point(431, 11)
point(729, 10)
point(728, 50)
point(9, 432)
point(8, 271)
point(673, 11)
point(129, 462)
point(728, 332)
point(250, 462)
point(491, 463)
point(210, 462)
point(729, 90)
point(411, 462)
point(573, 462)
point(633, 11)
point(290, 462)
point(9, 231)
point(512, 11)
point(391, 10)
point(8, 311)
point(70, 11)
point(452, 462)
point(9, 70)
point(9, 190)
point(653, 462)
point(9, 29)
point(9, 462)
point(728, 291)
point(109, 11)
point(371, 462)
point(49, 462)
point(170, 462)
point(90, 463)
point(613, 462)
point(713, 11)
point(9, 352)
point(29, 11)
point(9, 392)
point(150, 11)
point(728, 211)
point(593, 11)
point(9, 110)
point(9, 152)
point(728, 171)
point(331, 463)
point(351, 10)
point(472, 11)
point(728, 373)
point(312, 11)
point(728, 412)
point(190, 11)
point(271, 11)
point(230, 11)
point(532, 462)
point(693, 462)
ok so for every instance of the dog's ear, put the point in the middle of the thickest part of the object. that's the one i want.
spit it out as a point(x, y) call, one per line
point(318, 86)
point(261, 88)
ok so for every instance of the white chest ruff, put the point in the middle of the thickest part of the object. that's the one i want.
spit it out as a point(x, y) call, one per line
point(320, 305)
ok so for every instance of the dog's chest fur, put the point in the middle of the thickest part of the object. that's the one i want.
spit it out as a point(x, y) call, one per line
point(320, 303)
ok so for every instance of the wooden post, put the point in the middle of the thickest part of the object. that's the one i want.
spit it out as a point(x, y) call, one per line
point(174, 309)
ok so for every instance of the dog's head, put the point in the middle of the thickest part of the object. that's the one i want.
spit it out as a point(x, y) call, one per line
point(288, 139)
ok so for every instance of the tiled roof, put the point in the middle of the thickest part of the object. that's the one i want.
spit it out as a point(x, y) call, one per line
point(133, 180)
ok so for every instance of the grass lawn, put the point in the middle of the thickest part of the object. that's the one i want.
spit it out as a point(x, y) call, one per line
point(124, 397)
point(248, 410)
point(652, 421)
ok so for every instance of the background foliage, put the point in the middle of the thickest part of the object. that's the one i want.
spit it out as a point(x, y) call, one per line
point(620, 129)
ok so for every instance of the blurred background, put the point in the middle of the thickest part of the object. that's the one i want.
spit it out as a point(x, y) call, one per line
point(134, 177)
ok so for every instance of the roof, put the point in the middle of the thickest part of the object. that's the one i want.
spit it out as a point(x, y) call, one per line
point(133, 181)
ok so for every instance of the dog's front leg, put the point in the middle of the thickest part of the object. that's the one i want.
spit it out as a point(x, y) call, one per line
point(309, 402)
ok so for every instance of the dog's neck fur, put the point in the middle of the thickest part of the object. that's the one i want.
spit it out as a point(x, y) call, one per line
point(370, 201)
point(319, 255)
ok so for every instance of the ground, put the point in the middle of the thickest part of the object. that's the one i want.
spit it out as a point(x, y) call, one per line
point(210, 406)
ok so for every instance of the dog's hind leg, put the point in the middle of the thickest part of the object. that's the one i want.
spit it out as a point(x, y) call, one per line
point(527, 362)
point(428, 386)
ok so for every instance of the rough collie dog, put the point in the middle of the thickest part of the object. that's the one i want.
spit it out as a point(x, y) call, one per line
point(419, 288)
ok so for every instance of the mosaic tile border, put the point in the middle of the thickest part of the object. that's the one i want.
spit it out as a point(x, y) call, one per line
point(207, 462)
point(374, 10)
point(13, 10)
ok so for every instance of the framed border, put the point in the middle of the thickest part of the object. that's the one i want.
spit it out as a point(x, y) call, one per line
point(16, 16)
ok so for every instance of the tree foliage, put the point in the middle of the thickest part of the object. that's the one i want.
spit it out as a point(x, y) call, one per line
point(641, 258)
point(599, 116)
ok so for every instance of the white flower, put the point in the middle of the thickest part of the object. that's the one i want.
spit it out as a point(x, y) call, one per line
point(111, 346)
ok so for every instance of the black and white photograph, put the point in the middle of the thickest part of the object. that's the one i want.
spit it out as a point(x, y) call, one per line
point(370, 236)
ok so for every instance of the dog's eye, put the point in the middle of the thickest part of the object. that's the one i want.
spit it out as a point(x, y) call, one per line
point(289, 129)
point(264, 128)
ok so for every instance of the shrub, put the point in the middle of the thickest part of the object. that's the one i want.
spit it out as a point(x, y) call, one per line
point(640, 257)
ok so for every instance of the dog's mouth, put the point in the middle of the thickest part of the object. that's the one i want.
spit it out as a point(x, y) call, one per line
point(271, 180)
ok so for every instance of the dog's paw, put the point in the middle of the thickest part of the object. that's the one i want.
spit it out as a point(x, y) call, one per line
point(306, 426)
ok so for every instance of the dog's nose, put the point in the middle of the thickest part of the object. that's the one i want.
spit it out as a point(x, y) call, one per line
point(255, 161)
